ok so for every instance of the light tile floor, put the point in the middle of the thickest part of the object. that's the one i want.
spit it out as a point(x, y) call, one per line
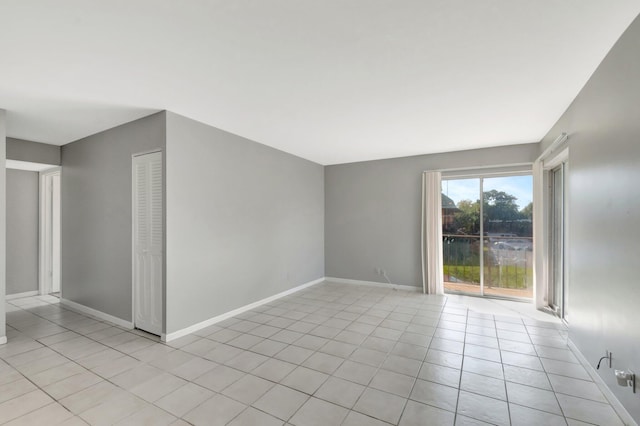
point(329, 355)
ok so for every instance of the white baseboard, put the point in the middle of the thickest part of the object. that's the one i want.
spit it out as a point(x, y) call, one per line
point(3, 340)
point(96, 313)
point(21, 295)
point(204, 324)
point(615, 403)
point(373, 284)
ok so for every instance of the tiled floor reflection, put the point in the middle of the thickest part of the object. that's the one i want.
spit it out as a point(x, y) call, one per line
point(332, 354)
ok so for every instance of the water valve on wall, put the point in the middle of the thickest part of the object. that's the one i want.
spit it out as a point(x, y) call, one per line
point(626, 378)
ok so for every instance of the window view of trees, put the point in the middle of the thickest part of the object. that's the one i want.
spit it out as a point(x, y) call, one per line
point(500, 211)
point(506, 242)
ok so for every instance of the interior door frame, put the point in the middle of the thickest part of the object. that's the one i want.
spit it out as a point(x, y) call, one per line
point(133, 237)
point(45, 279)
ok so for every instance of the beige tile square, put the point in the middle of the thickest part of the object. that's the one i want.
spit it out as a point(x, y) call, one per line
point(435, 394)
point(16, 388)
point(416, 413)
point(395, 383)
point(482, 408)
point(149, 415)
point(114, 409)
point(158, 387)
point(136, 376)
point(116, 366)
point(219, 378)
point(190, 370)
point(97, 359)
point(340, 392)
point(381, 405)
point(22, 405)
point(248, 389)
point(356, 372)
point(483, 385)
point(72, 384)
point(184, 399)
point(305, 380)
point(324, 363)
point(56, 374)
point(316, 412)
point(274, 370)
point(251, 416)
point(51, 414)
point(90, 397)
point(218, 410)
point(281, 402)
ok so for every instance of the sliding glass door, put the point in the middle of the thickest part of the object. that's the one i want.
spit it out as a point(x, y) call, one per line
point(461, 244)
point(557, 283)
point(487, 236)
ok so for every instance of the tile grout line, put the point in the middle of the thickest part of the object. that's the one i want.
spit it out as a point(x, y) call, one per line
point(80, 365)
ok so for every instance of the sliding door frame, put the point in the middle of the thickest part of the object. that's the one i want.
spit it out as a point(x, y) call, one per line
point(524, 170)
point(561, 159)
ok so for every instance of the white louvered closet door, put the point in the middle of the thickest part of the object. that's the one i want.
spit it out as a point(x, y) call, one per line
point(147, 242)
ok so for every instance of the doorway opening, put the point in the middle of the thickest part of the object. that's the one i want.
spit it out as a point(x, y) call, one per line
point(488, 235)
point(50, 226)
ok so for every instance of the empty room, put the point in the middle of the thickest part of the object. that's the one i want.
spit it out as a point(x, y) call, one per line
point(319, 213)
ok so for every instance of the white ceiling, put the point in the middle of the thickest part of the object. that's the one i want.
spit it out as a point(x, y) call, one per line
point(332, 81)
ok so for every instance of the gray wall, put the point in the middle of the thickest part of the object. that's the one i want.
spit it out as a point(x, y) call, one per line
point(603, 124)
point(22, 150)
point(22, 231)
point(96, 214)
point(373, 211)
point(3, 223)
point(244, 222)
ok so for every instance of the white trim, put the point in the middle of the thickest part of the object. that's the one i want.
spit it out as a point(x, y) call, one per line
point(45, 252)
point(540, 237)
point(547, 161)
point(373, 284)
point(21, 295)
point(29, 166)
point(481, 169)
point(151, 151)
point(555, 144)
point(95, 313)
point(556, 160)
point(615, 403)
point(3, 340)
point(206, 323)
point(488, 171)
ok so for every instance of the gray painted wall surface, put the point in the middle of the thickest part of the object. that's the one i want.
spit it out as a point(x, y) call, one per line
point(3, 223)
point(244, 222)
point(373, 211)
point(96, 214)
point(603, 124)
point(22, 150)
point(22, 231)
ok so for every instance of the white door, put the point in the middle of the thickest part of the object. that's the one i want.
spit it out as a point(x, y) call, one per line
point(147, 242)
